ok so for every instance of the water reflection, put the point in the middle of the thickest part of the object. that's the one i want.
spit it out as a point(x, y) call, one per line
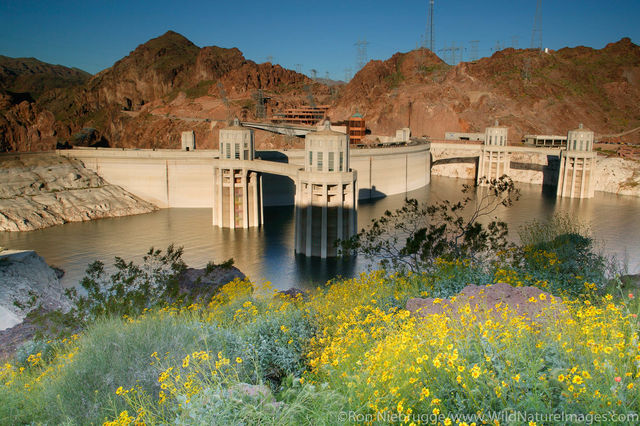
point(268, 253)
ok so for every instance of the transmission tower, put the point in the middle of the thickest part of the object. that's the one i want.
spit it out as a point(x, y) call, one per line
point(428, 37)
point(450, 54)
point(515, 40)
point(497, 47)
point(299, 68)
point(362, 53)
point(270, 59)
point(326, 75)
point(261, 111)
point(312, 102)
point(536, 35)
point(474, 50)
point(347, 74)
point(314, 73)
point(223, 95)
point(526, 70)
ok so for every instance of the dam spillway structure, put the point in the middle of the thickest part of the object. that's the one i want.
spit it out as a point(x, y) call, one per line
point(237, 188)
point(326, 196)
point(494, 159)
point(577, 163)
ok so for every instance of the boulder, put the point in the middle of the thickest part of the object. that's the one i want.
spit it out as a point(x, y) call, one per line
point(485, 301)
point(23, 275)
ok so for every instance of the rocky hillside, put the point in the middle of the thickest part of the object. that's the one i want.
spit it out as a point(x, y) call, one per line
point(30, 78)
point(41, 190)
point(529, 91)
point(24, 123)
point(168, 85)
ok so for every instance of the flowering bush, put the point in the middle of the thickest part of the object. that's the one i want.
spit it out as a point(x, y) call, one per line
point(251, 355)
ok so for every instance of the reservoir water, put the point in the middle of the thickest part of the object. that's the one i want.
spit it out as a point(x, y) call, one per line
point(267, 254)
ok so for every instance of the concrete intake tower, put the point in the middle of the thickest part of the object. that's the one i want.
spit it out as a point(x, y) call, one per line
point(577, 164)
point(326, 194)
point(237, 188)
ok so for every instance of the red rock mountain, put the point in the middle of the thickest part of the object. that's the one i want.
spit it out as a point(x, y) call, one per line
point(168, 85)
point(527, 90)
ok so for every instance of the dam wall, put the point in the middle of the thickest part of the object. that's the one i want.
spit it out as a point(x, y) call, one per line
point(172, 178)
point(166, 178)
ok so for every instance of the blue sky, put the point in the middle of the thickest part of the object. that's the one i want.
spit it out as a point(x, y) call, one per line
point(92, 34)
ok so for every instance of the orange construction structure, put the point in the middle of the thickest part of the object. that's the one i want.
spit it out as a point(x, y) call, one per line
point(302, 115)
point(356, 128)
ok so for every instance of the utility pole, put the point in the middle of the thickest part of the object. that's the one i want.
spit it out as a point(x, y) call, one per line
point(536, 34)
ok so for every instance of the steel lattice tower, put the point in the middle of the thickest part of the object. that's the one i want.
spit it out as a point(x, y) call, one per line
point(429, 33)
point(362, 53)
point(536, 35)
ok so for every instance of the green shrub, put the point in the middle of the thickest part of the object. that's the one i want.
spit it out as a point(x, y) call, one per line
point(131, 289)
point(305, 404)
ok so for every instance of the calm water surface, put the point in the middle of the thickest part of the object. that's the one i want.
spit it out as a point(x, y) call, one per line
point(267, 254)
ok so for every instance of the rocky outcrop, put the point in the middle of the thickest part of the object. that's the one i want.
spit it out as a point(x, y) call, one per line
point(27, 127)
point(203, 283)
point(24, 274)
point(41, 190)
point(491, 301)
point(617, 175)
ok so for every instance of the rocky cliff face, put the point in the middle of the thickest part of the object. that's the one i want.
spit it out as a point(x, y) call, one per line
point(617, 175)
point(528, 91)
point(22, 274)
point(41, 190)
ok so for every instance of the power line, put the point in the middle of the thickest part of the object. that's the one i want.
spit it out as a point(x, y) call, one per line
point(451, 54)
